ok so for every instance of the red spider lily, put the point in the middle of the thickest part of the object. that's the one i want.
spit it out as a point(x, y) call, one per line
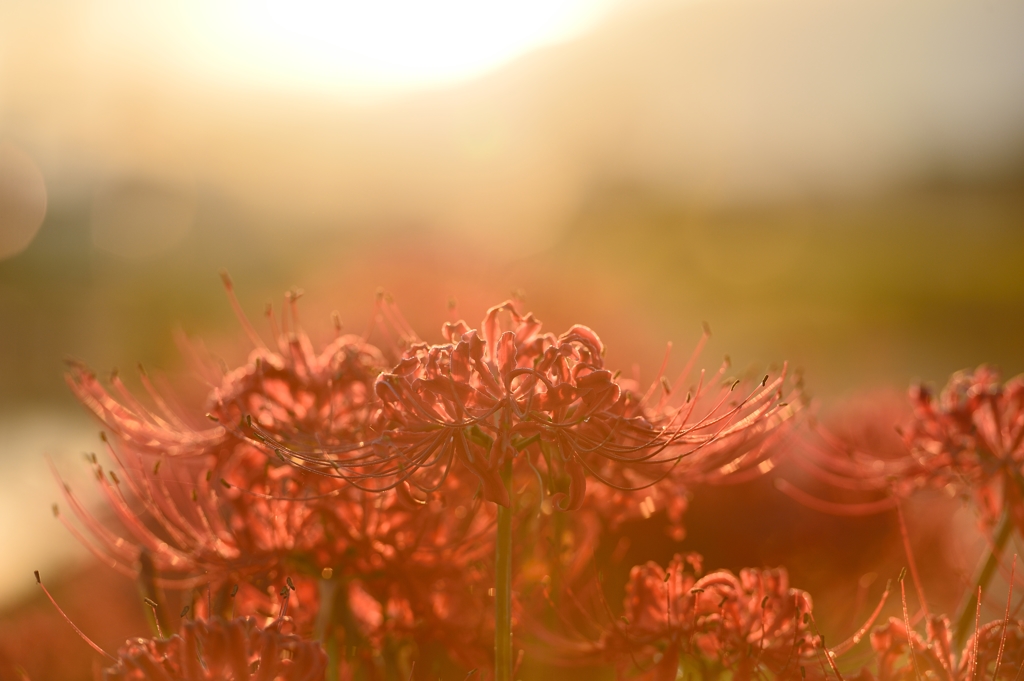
point(296, 393)
point(907, 656)
point(743, 623)
point(216, 510)
point(219, 650)
point(855, 463)
point(968, 441)
point(903, 654)
point(493, 401)
point(219, 512)
point(221, 507)
point(751, 625)
point(292, 392)
point(972, 438)
point(487, 396)
point(397, 546)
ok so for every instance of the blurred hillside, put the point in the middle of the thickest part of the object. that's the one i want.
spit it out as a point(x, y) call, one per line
point(857, 293)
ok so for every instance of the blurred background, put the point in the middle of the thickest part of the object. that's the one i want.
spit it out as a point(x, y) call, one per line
point(839, 185)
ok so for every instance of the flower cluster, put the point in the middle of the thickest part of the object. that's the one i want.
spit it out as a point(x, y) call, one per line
point(361, 507)
point(749, 625)
point(205, 506)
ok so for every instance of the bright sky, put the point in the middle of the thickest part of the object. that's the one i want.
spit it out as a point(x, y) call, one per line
point(346, 45)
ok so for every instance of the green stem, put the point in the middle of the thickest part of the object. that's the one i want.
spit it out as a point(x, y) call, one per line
point(965, 613)
point(333, 659)
point(503, 585)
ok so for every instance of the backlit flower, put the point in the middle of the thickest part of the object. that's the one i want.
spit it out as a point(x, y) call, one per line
point(205, 506)
point(547, 402)
point(967, 441)
point(220, 650)
point(751, 625)
point(906, 656)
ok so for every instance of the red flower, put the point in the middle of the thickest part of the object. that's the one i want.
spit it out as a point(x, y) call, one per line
point(748, 626)
point(219, 650)
point(971, 438)
point(968, 441)
point(206, 506)
point(547, 402)
point(905, 656)
point(854, 464)
point(220, 508)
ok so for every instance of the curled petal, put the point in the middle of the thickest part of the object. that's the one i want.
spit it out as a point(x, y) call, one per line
point(506, 357)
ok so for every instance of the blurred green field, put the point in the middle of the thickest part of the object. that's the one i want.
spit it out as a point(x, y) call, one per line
point(858, 294)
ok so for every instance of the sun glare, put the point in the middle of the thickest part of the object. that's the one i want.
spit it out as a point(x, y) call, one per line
point(387, 44)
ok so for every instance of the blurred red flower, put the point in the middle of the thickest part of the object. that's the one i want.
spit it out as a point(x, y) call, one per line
point(220, 650)
point(905, 656)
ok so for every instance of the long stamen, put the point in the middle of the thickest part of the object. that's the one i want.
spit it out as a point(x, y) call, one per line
point(906, 622)
point(856, 638)
point(156, 619)
point(910, 556)
point(229, 287)
point(977, 627)
point(1006, 619)
point(67, 619)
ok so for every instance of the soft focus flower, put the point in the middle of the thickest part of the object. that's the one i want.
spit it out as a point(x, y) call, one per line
point(204, 506)
point(852, 463)
point(221, 650)
point(906, 656)
point(223, 509)
point(968, 441)
point(971, 438)
point(747, 626)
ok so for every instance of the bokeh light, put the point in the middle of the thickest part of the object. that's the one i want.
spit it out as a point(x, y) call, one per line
point(22, 199)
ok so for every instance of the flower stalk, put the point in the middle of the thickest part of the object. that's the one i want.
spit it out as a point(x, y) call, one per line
point(503, 583)
point(987, 569)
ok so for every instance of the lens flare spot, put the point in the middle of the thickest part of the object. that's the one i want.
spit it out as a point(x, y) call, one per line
point(22, 200)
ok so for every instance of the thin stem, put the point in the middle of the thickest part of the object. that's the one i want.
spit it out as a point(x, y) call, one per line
point(983, 576)
point(503, 585)
point(333, 659)
point(322, 629)
point(910, 558)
